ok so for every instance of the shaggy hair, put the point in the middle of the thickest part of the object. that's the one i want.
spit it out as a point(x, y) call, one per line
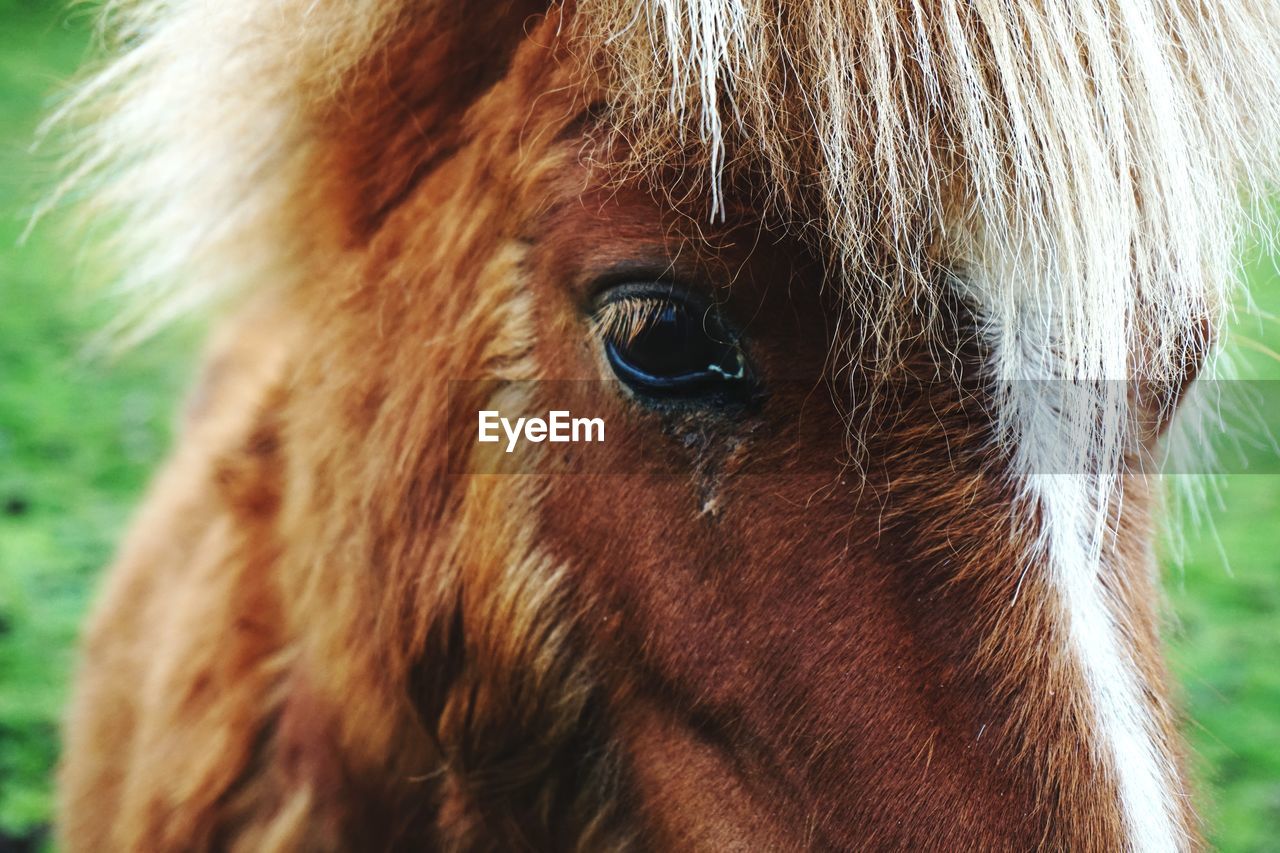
point(1081, 165)
point(1078, 172)
point(1081, 171)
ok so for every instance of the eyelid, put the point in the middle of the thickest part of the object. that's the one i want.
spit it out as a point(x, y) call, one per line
point(622, 319)
point(623, 310)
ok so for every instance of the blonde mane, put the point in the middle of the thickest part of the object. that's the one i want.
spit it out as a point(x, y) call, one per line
point(1079, 166)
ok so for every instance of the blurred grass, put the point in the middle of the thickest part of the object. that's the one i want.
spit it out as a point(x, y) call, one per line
point(1224, 636)
point(79, 435)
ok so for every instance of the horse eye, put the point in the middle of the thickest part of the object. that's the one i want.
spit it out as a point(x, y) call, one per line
point(663, 347)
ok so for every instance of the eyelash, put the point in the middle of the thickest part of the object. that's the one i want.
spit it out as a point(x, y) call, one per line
point(622, 319)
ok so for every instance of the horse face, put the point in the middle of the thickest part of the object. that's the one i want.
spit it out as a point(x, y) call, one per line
point(790, 627)
point(790, 608)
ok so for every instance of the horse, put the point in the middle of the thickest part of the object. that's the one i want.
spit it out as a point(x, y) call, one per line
point(879, 305)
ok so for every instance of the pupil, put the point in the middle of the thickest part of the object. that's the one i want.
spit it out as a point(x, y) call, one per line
point(675, 344)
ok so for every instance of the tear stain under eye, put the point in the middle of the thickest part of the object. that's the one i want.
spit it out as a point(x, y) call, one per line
point(714, 456)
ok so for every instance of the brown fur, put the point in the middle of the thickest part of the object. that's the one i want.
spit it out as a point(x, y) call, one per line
point(320, 636)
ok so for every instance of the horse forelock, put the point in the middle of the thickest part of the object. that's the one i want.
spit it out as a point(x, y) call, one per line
point(1079, 167)
point(1074, 171)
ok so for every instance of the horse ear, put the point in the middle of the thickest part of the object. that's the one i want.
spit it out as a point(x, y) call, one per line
point(398, 116)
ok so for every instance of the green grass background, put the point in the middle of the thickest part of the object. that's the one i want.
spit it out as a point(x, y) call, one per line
point(79, 435)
